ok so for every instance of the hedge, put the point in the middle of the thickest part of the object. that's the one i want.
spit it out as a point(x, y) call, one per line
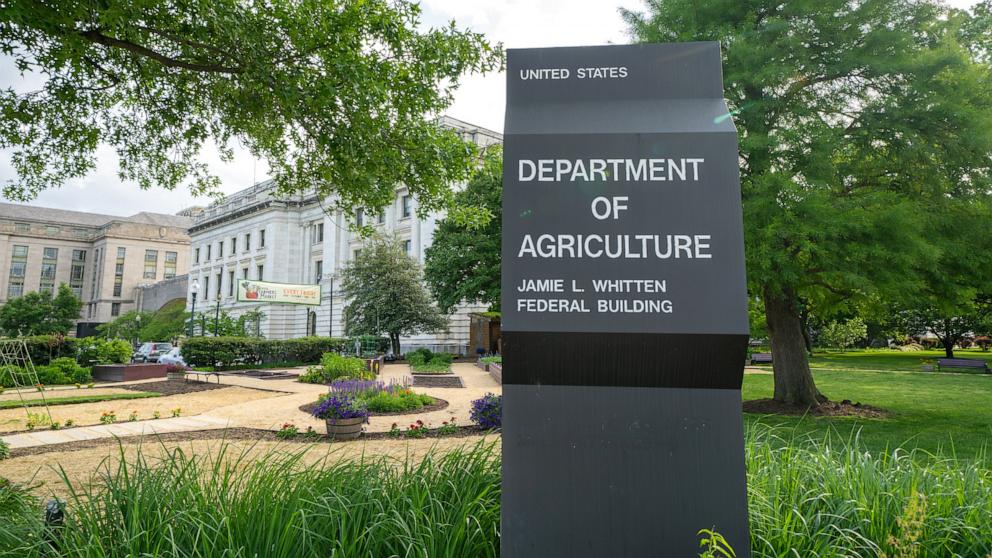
point(229, 351)
point(45, 348)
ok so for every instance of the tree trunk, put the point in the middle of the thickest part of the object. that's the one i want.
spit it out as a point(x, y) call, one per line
point(793, 380)
point(948, 346)
point(804, 324)
point(394, 340)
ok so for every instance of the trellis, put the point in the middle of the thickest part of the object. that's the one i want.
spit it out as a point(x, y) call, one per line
point(16, 363)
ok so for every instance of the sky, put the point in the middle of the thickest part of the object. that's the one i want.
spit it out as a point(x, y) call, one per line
point(479, 100)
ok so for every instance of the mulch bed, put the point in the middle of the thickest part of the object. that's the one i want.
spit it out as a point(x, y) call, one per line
point(843, 408)
point(233, 434)
point(437, 381)
point(166, 387)
point(436, 406)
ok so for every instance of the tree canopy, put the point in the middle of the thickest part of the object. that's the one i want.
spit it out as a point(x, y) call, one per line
point(463, 262)
point(386, 294)
point(862, 124)
point(338, 97)
point(39, 313)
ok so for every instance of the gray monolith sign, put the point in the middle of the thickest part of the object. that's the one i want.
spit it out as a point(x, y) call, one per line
point(624, 304)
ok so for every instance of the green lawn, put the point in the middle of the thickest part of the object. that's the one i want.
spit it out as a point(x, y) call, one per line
point(53, 401)
point(909, 361)
point(950, 413)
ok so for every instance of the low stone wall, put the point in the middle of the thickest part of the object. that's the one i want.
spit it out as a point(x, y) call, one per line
point(496, 371)
point(128, 372)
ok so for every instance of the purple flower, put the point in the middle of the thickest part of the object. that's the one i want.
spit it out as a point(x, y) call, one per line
point(487, 411)
point(341, 406)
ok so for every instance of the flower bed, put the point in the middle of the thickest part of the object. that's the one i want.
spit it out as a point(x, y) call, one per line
point(423, 361)
point(382, 398)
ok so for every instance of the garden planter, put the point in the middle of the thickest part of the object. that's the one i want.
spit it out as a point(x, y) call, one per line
point(128, 372)
point(175, 376)
point(344, 429)
point(496, 371)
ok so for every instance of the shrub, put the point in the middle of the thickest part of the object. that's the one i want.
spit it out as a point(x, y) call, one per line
point(379, 396)
point(44, 348)
point(4, 450)
point(75, 373)
point(407, 400)
point(423, 361)
point(487, 411)
point(51, 376)
point(93, 350)
point(336, 367)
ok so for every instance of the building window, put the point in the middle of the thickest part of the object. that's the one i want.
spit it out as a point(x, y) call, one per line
point(234, 245)
point(115, 308)
point(151, 264)
point(261, 238)
point(77, 271)
point(259, 275)
point(196, 256)
point(405, 205)
point(220, 249)
point(49, 264)
point(170, 264)
point(359, 217)
point(317, 233)
point(22, 227)
point(219, 276)
point(247, 241)
point(209, 246)
point(318, 267)
point(18, 266)
point(408, 247)
point(244, 272)
point(96, 268)
point(206, 288)
point(80, 233)
point(230, 283)
point(380, 217)
point(52, 230)
point(357, 253)
point(119, 272)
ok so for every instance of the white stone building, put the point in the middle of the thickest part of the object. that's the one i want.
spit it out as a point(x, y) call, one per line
point(258, 234)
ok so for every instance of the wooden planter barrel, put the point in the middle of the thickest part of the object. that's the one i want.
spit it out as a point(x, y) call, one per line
point(344, 429)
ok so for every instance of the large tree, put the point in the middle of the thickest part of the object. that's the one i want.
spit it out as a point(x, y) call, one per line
point(339, 97)
point(39, 313)
point(858, 121)
point(386, 295)
point(463, 263)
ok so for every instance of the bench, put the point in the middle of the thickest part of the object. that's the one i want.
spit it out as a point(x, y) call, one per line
point(206, 375)
point(761, 358)
point(963, 363)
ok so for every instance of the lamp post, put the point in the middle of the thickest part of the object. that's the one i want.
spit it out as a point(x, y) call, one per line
point(193, 289)
point(137, 329)
point(217, 317)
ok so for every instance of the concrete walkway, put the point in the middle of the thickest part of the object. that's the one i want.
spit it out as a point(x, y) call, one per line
point(272, 412)
point(120, 429)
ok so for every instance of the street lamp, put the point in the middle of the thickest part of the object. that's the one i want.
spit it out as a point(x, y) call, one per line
point(193, 289)
point(137, 329)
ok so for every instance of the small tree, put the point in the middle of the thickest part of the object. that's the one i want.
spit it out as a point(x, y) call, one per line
point(842, 335)
point(949, 327)
point(38, 313)
point(127, 326)
point(463, 263)
point(386, 294)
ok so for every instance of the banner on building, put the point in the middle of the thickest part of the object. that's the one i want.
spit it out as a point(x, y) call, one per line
point(283, 293)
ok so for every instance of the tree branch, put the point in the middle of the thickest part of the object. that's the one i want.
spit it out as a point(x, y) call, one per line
point(96, 37)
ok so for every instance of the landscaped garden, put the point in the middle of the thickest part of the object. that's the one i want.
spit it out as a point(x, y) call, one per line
point(424, 361)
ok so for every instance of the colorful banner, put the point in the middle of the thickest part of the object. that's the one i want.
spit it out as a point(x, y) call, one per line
point(284, 293)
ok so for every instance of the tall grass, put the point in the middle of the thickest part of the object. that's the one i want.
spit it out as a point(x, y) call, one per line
point(808, 498)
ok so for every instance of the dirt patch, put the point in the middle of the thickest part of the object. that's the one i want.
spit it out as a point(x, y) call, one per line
point(843, 408)
point(233, 434)
point(436, 406)
point(167, 387)
point(437, 381)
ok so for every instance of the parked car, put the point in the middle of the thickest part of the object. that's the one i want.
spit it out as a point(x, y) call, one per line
point(150, 352)
point(172, 357)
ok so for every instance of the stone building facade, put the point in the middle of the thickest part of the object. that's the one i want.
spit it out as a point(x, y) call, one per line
point(103, 258)
point(259, 234)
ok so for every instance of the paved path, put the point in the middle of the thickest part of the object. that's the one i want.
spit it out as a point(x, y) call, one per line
point(272, 412)
point(120, 429)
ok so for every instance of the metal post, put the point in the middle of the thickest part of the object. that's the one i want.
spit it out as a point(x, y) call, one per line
point(192, 316)
point(217, 318)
